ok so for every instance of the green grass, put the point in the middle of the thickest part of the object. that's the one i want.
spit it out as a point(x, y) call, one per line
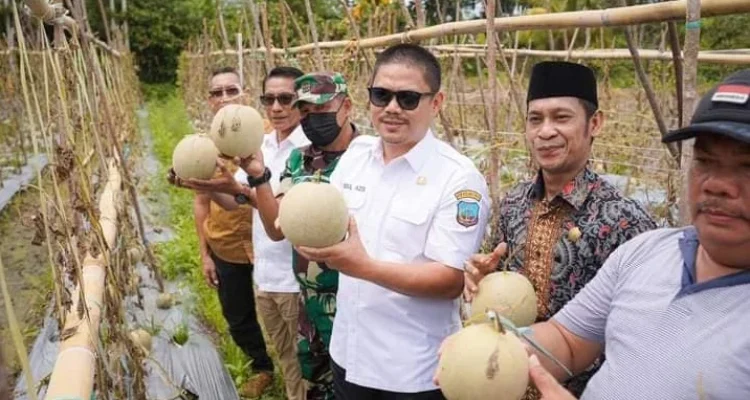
point(178, 258)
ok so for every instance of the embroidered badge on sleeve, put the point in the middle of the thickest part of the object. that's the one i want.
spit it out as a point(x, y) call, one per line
point(467, 208)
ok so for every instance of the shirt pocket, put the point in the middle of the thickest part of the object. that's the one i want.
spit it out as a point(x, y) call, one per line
point(406, 226)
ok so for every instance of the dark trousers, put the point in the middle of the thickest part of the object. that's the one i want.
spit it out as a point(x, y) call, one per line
point(348, 391)
point(237, 299)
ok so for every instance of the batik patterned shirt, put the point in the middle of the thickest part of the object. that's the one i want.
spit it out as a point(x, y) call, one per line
point(560, 244)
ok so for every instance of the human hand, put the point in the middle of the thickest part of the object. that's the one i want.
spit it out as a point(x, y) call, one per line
point(349, 256)
point(478, 266)
point(545, 383)
point(225, 183)
point(209, 272)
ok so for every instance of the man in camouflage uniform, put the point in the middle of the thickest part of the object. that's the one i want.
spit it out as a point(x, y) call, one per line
point(325, 108)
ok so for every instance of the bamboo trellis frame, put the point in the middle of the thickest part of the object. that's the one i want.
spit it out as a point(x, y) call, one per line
point(722, 57)
point(73, 374)
point(611, 17)
point(56, 16)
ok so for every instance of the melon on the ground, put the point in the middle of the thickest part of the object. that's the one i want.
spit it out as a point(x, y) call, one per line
point(142, 339)
point(510, 294)
point(237, 130)
point(483, 363)
point(195, 157)
point(313, 214)
point(164, 301)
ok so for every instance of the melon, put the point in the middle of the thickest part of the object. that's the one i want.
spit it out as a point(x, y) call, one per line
point(510, 294)
point(195, 157)
point(481, 362)
point(313, 214)
point(142, 339)
point(164, 301)
point(237, 130)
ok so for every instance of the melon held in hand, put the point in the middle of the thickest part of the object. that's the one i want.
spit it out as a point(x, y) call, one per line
point(237, 130)
point(195, 157)
point(510, 294)
point(313, 214)
point(482, 362)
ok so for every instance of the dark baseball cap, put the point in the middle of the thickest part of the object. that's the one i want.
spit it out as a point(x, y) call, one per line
point(725, 110)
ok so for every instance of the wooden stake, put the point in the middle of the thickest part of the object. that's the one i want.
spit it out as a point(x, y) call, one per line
point(692, 46)
point(420, 13)
point(492, 104)
point(314, 32)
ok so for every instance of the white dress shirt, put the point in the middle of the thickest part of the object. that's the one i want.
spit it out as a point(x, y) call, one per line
point(431, 204)
point(272, 270)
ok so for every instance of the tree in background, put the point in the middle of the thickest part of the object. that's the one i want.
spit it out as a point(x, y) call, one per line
point(159, 30)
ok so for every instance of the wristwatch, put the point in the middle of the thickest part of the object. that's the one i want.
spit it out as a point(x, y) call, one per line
point(241, 198)
point(253, 182)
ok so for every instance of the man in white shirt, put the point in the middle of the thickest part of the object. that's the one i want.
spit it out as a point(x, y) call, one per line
point(277, 292)
point(419, 210)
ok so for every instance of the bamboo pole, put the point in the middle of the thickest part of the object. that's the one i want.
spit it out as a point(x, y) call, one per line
point(611, 17)
point(314, 32)
point(73, 373)
point(222, 27)
point(57, 16)
point(300, 33)
point(492, 104)
point(240, 62)
point(733, 57)
point(407, 15)
point(420, 13)
point(646, 83)
point(690, 78)
point(266, 35)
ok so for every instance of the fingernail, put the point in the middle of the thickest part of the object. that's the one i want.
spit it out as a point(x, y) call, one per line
point(533, 360)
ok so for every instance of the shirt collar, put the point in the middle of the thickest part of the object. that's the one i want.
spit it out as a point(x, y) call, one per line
point(689, 249)
point(416, 156)
point(574, 192)
point(297, 138)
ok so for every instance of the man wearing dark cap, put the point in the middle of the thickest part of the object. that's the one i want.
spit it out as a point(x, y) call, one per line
point(322, 99)
point(325, 107)
point(559, 228)
point(671, 306)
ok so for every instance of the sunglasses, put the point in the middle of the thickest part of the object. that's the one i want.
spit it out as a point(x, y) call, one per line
point(231, 91)
point(284, 99)
point(406, 99)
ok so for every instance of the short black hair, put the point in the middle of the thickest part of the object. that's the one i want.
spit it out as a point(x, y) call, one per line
point(412, 55)
point(282, 72)
point(224, 70)
point(589, 108)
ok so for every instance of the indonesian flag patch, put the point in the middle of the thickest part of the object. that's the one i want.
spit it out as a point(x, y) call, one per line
point(736, 94)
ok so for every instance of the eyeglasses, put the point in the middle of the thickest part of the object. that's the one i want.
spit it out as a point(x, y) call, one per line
point(230, 91)
point(406, 99)
point(284, 99)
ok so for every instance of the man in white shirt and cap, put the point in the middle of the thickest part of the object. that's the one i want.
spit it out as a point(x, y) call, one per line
point(418, 211)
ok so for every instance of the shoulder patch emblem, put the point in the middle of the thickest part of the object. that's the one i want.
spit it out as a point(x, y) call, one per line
point(467, 208)
point(468, 194)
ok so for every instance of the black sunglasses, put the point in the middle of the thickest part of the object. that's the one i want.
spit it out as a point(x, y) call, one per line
point(406, 99)
point(284, 99)
point(231, 91)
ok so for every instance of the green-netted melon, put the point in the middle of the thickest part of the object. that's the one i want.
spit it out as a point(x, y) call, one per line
point(237, 130)
point(483, 363)
point(313, 214)
point(142, 339)
point(195, 157)
point(510, 294)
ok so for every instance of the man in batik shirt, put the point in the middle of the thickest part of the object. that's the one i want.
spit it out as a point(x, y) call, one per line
point(560, 228)
point(325, 108)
